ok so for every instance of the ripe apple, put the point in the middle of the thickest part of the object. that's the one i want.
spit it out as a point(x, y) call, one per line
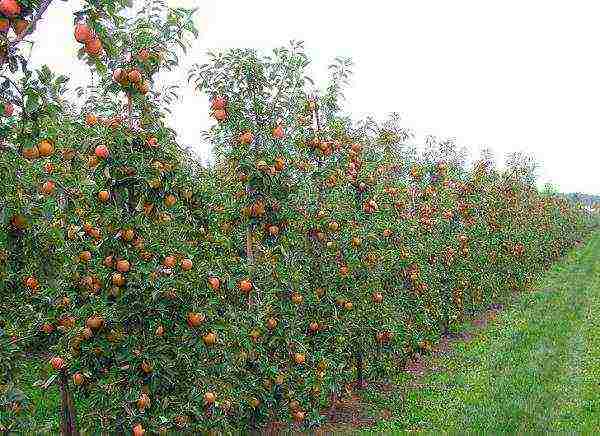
point(143, 54)
point(93, 47)
point(246, 138)
point(83, 33)
point(299, 358)
point(48, 187)
point(278, 132)
point(123, 266)
point(119, 76)
point(209, 339)
point(91, 119)
point(94, 322)
point(57, 363)
point(209, 398)
point(8, 109)
point(186, 264)
point(134, 76)
point(170, 200)
point(10, 8)
point(220, 114)
point(195, 319)
point(245, 286)
point(31, 282)
point(138, 430)
point(377, 297)
point(169, 262)
point(101, 151)
point(297, 298)
point(78, 379)
point(214, 283)
point(143, 87)
point(218, 103)
point(45, 148)
point(103, 196)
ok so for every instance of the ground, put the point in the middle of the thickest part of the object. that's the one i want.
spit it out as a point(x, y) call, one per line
point(532, 367)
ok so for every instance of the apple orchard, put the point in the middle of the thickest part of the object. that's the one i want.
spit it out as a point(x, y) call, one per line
point(313, 257)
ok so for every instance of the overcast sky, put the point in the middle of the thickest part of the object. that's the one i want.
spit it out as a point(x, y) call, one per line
point(511, 75)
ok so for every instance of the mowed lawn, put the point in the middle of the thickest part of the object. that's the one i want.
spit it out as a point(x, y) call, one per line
point(534, 369)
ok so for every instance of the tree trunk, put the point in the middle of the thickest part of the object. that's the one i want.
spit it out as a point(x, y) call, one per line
point(249, 253)
point(129, 111)
point(331, 410)
point(360, 379)
point(131, 198)
point(68, 424)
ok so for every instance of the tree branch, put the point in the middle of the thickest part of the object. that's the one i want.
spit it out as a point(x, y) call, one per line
point(18, 102)
point(127, 181)
point(31, 26)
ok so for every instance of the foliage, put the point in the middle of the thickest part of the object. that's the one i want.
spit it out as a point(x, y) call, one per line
point(316, 254)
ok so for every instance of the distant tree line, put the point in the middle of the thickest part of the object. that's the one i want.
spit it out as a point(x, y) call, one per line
point(586, 199)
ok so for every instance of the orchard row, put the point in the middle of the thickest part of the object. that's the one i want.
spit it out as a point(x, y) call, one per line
point(314, 256)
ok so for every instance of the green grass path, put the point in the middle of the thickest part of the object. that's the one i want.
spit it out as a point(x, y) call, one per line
point(536, 369)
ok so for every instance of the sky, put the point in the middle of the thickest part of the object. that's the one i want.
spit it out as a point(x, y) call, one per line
point(513, 75)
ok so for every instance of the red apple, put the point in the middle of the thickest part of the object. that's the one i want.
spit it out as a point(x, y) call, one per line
point(278, 132)
point(57, 363)
point(10, 8)
point(83, 33)
point(101, 151)
point(218, 103)
point(8, 109)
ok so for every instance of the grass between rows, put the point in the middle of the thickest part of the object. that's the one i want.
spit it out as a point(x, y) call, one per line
point(535, 369)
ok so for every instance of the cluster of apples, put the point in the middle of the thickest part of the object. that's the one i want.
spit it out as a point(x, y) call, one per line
point(355, 162)
point(219, 108)
point(131, 77)
point(247, 137)
point(326, 148)
point(85, 35)
point(12, 16)
point(112, 122)
point(370, 206)
point(45, 148)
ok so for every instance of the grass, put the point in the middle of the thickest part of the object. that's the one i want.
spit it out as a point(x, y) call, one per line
point(535, 369)
point(41, 407)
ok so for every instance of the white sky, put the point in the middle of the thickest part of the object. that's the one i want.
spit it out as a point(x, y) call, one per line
point(512, 75)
